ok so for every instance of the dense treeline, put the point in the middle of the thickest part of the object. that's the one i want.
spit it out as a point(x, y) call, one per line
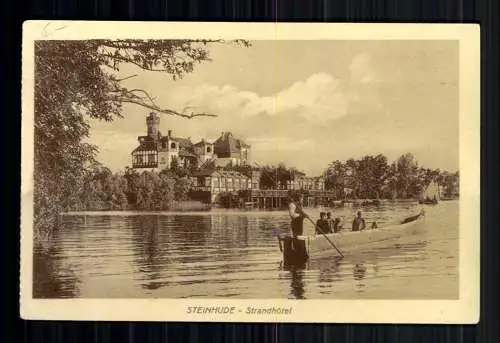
point(104, 190)
point(373, 177)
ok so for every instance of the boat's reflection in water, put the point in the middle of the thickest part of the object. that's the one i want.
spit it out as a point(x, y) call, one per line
point(359, 272)
point(326, 271)
point(297, 282)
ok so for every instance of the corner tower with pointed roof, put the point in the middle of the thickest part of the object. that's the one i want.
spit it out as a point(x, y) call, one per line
point(156, 151)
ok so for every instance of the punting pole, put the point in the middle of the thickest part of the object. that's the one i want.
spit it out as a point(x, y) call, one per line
point(328, 239)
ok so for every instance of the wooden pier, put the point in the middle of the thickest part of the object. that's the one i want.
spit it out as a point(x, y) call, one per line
point(278, 198)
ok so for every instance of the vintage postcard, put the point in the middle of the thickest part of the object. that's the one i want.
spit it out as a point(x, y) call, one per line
point(240, 172)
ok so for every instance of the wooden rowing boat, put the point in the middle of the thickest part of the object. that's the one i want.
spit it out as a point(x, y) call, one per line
point(298, 250)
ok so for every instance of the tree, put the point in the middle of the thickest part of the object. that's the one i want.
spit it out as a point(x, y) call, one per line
point(407, 175)
point(78, 80)
point(451, 184)
point(335, 177)
point(371, 172)
point(374, 177)
point(367, 177)
point(273, 177)
point(351, 176)
point(268, 179)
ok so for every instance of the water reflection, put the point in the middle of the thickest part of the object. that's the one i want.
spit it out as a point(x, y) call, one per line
point(150, 249)
point(297, 284)
point(236, 255)
point(50, 279)
point(359, 272)
point(193, 229)
point(328, 270)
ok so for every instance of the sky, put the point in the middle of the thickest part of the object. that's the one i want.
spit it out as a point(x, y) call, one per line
point(307, 103)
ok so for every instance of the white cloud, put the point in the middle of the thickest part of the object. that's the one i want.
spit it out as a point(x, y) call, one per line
point(319, 98)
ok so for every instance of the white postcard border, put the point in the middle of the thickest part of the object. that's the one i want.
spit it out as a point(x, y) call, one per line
point(464, 310)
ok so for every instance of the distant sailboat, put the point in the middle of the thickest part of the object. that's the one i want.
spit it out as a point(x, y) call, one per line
point(431, 194)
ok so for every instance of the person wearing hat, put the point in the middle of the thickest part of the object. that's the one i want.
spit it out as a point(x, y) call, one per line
point(297, 215)
point(358, 224)
point(322, 224)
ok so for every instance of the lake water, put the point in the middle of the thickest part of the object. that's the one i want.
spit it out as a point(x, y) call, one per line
point(235, 254)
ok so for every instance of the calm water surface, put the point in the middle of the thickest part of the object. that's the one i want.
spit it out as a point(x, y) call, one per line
point(235, 254)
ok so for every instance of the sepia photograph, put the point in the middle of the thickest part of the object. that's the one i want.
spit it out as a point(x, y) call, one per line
point(252, 175)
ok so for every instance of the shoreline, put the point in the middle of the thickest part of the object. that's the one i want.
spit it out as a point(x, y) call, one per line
point(217, 210)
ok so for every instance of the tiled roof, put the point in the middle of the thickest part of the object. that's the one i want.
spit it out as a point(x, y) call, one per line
point(183, 142)
point(185, 153)
point(226, 145)
point(145, 139)
point(203, 142)
point(145, 146)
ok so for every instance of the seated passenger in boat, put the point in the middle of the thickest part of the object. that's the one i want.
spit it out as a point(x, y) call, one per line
point(358, 224)
point(322, 224)
point(374, 225)
point(331, 222)
point(337, 225)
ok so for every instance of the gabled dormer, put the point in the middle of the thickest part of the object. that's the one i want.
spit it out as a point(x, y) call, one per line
point(204, 148)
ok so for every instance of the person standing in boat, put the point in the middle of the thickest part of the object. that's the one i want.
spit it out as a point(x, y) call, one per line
point(297, 215)
point(358, 224)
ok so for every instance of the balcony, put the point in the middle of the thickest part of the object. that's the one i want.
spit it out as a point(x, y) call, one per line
point(145, 165)
point(284, 193)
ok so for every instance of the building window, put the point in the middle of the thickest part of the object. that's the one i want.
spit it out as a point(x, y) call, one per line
point(164, 144)
point(139, 159)
point(163, 160)
point(208, 149)
point(151, 158)
point(172, 145)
